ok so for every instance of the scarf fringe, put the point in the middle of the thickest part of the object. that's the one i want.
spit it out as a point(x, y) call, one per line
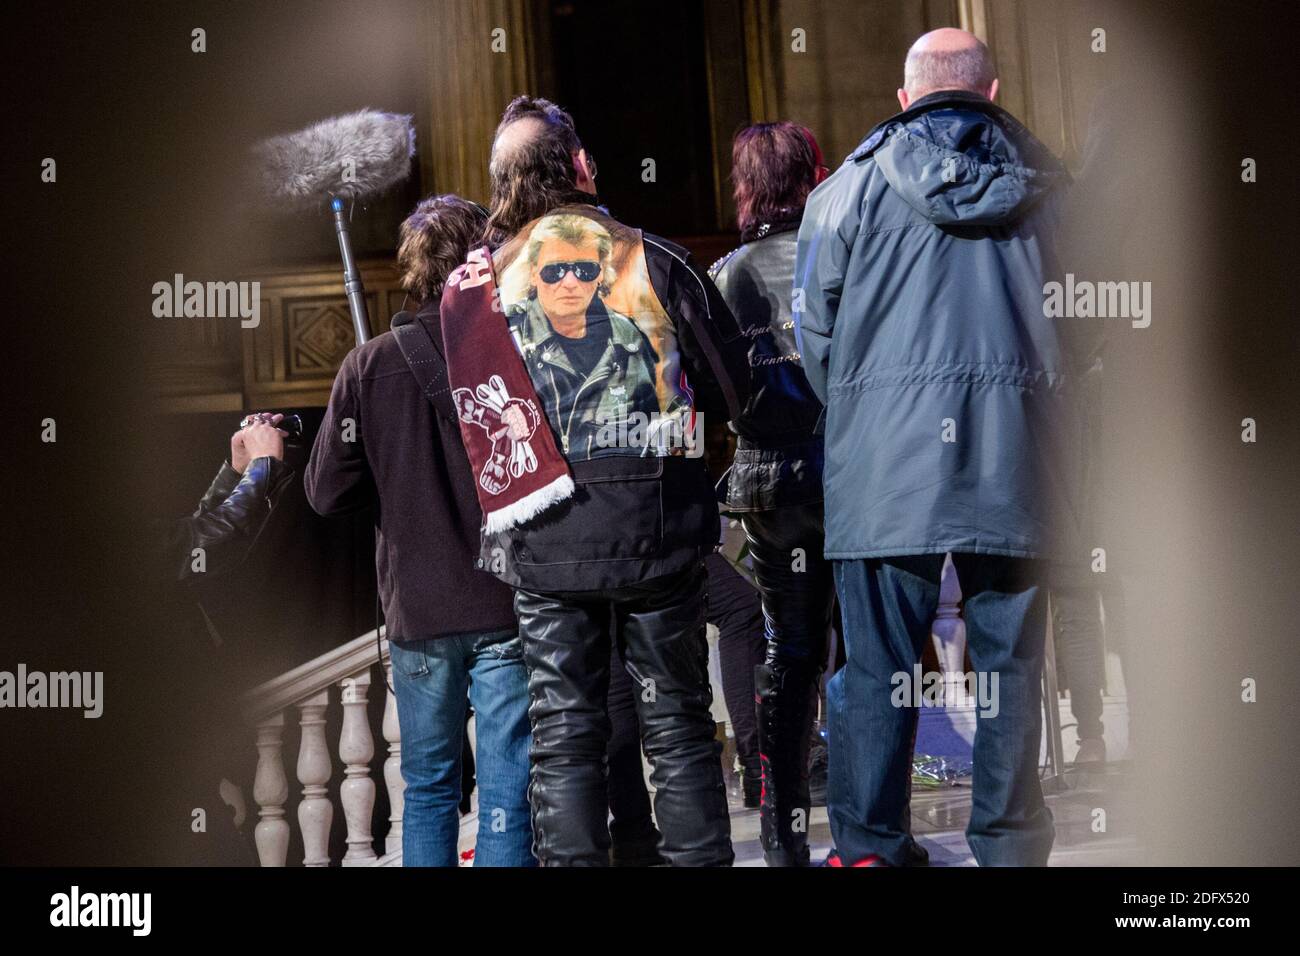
point(530, 505)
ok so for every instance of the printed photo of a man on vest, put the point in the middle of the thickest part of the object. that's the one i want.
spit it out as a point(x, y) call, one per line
point(587, 324)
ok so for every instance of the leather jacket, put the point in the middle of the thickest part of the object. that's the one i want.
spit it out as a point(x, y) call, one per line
point(779, 451)
point(633, 516)
point(228, 520)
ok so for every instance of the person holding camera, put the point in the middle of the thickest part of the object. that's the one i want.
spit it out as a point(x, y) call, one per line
point(231, 514)
point(210, 543)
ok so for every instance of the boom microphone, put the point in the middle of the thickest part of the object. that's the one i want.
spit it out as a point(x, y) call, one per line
point(339, 160)
point(353, 157)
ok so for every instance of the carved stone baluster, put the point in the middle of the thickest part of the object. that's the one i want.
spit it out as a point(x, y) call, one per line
point(315, 812)
point(949, 634)
point(356, 750)
point(271, 791)
point(393, 765)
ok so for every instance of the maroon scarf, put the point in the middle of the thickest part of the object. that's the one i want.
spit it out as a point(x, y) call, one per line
point(511, 449)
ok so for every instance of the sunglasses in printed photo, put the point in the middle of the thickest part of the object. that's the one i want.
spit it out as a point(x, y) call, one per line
point(585, 270)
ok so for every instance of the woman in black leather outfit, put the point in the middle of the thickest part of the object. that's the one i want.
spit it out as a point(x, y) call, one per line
point(775, 481)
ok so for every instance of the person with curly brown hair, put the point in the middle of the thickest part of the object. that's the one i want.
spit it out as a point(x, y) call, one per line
point(452, 632)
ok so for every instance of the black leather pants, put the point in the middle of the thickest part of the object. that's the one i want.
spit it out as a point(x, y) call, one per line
point(798, 592)
point(736, 609)
point(659, 627)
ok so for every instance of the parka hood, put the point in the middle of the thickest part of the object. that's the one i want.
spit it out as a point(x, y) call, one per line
point(958, 159)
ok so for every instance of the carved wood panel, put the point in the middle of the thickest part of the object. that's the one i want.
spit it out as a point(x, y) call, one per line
point(291, 358)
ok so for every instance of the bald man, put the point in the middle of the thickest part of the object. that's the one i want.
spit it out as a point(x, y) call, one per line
point(920, 268)
point(947, 59)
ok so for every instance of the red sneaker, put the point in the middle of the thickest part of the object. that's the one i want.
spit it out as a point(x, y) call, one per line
point(871, 859)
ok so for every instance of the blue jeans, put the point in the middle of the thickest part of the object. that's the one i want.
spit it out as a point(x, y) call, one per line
point(434, 680)
point(888, 605)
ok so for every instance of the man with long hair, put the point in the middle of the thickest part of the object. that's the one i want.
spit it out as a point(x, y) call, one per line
point(621, 559)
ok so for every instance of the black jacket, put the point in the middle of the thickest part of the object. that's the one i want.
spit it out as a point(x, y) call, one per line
point(779, 456)
point(408, 462)
point(636, 518)
point(228, 520)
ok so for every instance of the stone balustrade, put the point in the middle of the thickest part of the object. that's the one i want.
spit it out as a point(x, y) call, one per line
point(344, 676)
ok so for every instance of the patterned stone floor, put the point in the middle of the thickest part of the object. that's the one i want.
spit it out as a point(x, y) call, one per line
point(940, 815)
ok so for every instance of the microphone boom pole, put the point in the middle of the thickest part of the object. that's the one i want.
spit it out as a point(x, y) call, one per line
point(351, 276)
